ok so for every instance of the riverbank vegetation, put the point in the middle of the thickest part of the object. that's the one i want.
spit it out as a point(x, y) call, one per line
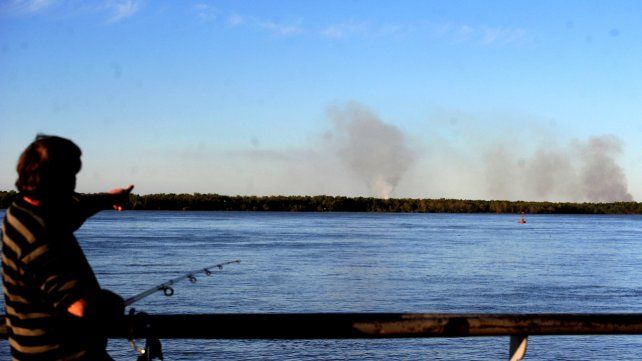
point(216, 202)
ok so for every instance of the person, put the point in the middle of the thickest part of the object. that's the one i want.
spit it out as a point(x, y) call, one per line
point(55, 308)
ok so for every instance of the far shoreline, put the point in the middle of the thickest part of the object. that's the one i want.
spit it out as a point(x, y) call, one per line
point(322, 203)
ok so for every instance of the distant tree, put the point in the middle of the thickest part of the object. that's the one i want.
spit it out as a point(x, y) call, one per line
point(216, 202)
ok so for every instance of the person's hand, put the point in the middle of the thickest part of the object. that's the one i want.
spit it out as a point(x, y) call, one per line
point(105, 312)
point(112, 306)
point(121, 196)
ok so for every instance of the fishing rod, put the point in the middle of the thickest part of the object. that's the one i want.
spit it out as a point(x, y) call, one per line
point(153, 349)
point(166, 287)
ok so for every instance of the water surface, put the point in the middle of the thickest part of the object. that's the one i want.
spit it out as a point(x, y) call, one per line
point(373, 262)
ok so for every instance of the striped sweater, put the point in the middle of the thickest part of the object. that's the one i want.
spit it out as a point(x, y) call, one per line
point(44, 271)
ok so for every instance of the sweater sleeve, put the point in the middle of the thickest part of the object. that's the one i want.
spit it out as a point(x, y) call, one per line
point(86, 205)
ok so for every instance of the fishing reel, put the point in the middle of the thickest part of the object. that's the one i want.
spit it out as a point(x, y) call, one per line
point(153, 349)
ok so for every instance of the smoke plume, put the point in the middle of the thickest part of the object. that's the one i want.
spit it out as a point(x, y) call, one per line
point(582, 171)
point(376, 152)
point(454, 156)
point(601, 178)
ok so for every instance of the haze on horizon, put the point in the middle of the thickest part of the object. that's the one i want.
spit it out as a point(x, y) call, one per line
point(422, 99)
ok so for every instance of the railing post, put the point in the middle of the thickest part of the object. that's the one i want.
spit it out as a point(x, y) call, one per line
point(517, 347)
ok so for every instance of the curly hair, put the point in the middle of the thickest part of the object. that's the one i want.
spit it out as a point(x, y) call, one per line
point(49, 164)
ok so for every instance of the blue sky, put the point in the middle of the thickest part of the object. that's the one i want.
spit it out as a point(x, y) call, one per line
point(236, 97)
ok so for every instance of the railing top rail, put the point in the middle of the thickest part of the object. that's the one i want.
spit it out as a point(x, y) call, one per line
point(371, 325)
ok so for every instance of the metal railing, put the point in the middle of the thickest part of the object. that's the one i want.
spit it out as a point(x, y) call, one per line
point(374, 325)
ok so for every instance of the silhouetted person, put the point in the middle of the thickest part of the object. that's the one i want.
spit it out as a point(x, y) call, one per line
point(55, 307)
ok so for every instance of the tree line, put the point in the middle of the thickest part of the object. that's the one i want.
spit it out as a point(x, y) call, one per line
point(217, 202)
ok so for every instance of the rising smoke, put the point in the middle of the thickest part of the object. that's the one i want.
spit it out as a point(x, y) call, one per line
point(362, 155)
point(581, 171)
point(601, 178)
point(376, 152)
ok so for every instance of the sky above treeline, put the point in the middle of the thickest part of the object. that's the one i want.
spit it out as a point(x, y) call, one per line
point(527, 100)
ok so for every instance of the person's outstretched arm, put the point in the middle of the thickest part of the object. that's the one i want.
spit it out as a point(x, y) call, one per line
point(90, 204)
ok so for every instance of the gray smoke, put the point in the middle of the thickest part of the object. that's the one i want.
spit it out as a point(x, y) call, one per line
point(601, 178)
point(376, 152)
point(581, 171)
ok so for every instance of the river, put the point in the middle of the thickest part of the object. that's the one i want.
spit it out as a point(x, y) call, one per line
point(374, 262)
